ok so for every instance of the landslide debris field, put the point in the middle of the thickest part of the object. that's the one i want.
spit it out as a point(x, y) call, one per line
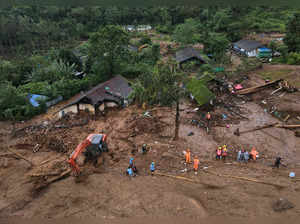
point(43, 186)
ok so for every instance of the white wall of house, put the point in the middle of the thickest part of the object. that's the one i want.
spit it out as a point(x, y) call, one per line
point(101, 107)
point(88, 107)
point(70, 109)
point(252, 53)
point(111, 104)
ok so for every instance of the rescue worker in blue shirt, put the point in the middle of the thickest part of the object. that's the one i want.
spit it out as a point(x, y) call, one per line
point(152, 168)
point(130, 172)
point(131, 162)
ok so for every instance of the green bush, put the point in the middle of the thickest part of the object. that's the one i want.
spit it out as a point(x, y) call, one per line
point(42, 88)
point(14, 105)
point(293, 59)
point(145, 40)
point(57, 70)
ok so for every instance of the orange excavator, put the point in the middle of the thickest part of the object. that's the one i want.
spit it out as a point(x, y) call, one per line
point(92, 148)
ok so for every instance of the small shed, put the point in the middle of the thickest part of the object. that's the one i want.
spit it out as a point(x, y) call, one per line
point(112, 93)
point(189, 53)
point(247, 47)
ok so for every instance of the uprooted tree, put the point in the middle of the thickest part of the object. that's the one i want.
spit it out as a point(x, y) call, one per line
point(160, 87)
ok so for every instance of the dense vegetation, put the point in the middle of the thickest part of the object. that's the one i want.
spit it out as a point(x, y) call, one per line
point(41, 48)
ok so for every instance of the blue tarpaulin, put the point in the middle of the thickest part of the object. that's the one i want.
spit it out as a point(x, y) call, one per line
point(34, 98)
point(264, 49)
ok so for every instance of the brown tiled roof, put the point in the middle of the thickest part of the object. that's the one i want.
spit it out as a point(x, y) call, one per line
point(188, 53)
point(118, 85)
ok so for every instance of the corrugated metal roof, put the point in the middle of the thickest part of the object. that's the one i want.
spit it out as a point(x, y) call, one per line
point(188, 53)
point(118, 85)
point(248, 45)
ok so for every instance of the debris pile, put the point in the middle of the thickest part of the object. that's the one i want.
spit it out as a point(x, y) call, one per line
point(48, 172)
point(145, 124)
point(282, 204)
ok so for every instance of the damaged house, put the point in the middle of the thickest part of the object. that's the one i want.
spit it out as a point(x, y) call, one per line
point(188, 54)
point(112, 93)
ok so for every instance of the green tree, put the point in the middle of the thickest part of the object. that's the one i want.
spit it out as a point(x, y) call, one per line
point(216, 44)
point(292, 38)
point(160, 86)
point(185, 33)
point(109, 45)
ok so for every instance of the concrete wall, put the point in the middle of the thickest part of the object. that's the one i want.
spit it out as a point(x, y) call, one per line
point(88, 107)
point(69, 109)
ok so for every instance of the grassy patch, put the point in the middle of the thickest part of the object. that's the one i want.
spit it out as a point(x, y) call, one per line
point(286, 74)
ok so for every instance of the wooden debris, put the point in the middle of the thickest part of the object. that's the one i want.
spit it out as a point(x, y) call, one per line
point(257, 88)
point(44, 174)
point(20, 156)
point(286, 118)
point(47, 182)
point(6, 154)
point(238, 132)
point(275, 91)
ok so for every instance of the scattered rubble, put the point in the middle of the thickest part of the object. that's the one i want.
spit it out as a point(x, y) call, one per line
point(282, 204)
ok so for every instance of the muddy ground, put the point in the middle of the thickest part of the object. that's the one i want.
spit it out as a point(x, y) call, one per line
point(107, 192)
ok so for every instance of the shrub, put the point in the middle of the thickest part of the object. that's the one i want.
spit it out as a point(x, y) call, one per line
point(293, 58)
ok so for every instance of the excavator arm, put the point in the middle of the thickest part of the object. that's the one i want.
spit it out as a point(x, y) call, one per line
point(76, 153)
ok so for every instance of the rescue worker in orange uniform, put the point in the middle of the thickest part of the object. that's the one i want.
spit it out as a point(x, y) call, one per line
point(196, 164)
point(219, 153)
point(253, 153)
point(188, 156)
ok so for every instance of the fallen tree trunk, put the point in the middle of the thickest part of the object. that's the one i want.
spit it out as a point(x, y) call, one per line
point(257, 88)
point(20, 156)
point(189, 180)
point(288, 126)
point(246, 179)
point(238, 133)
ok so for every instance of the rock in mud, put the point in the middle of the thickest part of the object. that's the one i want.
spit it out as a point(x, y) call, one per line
point(282, 204)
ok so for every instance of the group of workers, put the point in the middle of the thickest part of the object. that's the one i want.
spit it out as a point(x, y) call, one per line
point(244, 156)
point(132, 170)
point(189, 161)
point(221, 152)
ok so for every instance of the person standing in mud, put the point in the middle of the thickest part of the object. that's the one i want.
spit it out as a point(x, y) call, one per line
point(224, 152)
point(131, 162)
point(188, 156)
point(208, 117)
point(277, 162)
point(196, 165)
point(219, 153)
point(152, 168)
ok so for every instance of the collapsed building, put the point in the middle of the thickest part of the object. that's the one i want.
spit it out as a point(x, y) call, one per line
point(112, 93)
